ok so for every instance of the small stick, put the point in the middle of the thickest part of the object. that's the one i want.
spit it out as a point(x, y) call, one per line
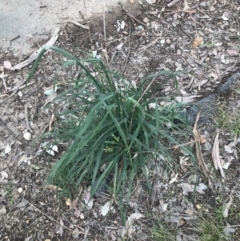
point(26, 118)
point(148, 87)
point(4, 82)
point(52, 219)
point(128, 54)
point(142, 49)
point(51, 121)
point(172, 3)
point(80, 25)
point(130, 15)
point(104, 27)
point(17, 37)
point(83, 18)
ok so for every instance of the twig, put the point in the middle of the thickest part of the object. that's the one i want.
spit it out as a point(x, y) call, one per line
point(130, 15)
point(128, 54)
point(172, 3)
point(154, 191)
point(51, 121)
point(190, 11)
point(52, 219)
point(142, 49)
point(148, 87)
point(4, 82)
point(36, 53)
point(200, 63)
point(26, 118)
point(79, 25)
point(17, 37)
point(83, 18)
point(199, 154)
point(104, 27)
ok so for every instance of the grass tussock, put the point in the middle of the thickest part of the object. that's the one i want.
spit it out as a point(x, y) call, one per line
point(113, 127)
point(211, 231)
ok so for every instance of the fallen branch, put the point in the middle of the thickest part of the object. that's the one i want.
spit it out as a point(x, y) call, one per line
point(34, 55)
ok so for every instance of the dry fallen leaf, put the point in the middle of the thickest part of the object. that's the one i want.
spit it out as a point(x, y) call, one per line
point(232, 52)
point(60, 230)
point(216, 157)
point(3, 211)
point(226, 207)
point(228, 149)
point(186, 188)
point(162, 206)
point(198, 149)
point(197, 42)
point(174, 179)
point(228, 230)
point(186, 99)
point(87, 198)
point(190, 188)
point(75, 233)
point(201, 187)
point(225, 16)
point(127, 230)
point(105, 208)
point(4, 175)
point(215, 152)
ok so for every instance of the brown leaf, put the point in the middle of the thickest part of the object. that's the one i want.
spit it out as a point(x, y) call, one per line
point(216, 157)
point(197, 42)
point(198, 148)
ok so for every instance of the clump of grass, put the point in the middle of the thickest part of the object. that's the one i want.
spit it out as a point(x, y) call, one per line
point(161, 232)
point(111, 127)
point(211, 231)
point(209, 44)
point(228, 121)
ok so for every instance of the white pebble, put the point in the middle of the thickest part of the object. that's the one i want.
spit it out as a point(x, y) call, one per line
point(20, 190)
point(27, 136)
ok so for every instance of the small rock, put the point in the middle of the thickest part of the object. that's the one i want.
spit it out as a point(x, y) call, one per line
point(27, 136)
point(208, 146)
point(168, 41)
point(20, 190)
point(21, 115)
